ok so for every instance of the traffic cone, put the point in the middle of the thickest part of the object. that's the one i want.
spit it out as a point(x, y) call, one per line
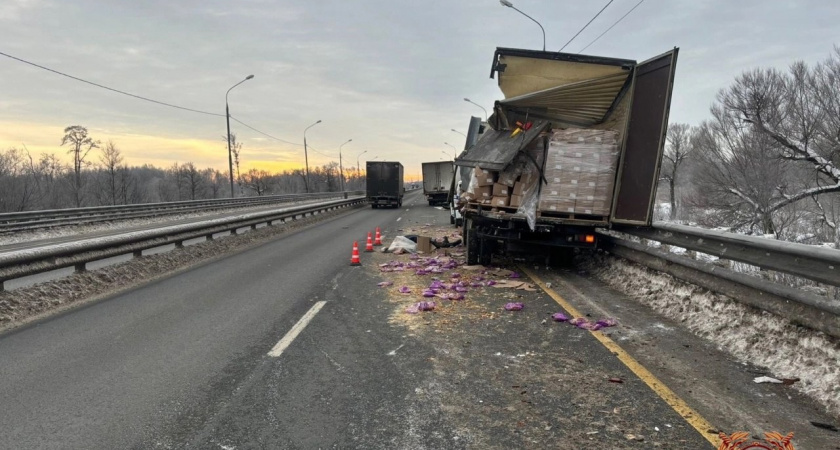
point(378, 240)
point(369, 246)
point(354, 260)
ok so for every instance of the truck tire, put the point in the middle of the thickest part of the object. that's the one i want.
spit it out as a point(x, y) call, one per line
point(459, 222)
point(471, 242)
point(451, 219)
point(485, 251)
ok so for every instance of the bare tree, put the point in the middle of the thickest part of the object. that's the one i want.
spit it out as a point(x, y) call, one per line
point(18, 183)
point(111, 159)
point(236, 151)
point(258, 181)
point(790, 122)
point(80, 145)
point(676, 152)
point(193, 180)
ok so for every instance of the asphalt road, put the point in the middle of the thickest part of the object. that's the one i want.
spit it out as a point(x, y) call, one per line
point(184, 363)
point(144, 368)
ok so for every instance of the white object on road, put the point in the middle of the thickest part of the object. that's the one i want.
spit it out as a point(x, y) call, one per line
point(284, 343)
point(766, 380)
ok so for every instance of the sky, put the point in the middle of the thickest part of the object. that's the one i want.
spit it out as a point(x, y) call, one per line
point(390, 75)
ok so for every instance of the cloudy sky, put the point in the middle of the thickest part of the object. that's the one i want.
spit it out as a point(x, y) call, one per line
point(391, 75)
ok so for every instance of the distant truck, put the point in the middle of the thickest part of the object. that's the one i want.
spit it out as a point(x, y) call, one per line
point(437, 179)
point(575, 145)
point(385, 186)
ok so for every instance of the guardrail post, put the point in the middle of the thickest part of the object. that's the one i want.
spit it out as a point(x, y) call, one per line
point(137, 254)
point(80, 267)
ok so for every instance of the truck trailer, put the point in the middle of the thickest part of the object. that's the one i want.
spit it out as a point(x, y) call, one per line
point(385, 186)
point(437, 178)
point(575, 145)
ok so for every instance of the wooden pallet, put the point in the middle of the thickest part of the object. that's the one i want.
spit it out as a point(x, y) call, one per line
point(572, 216)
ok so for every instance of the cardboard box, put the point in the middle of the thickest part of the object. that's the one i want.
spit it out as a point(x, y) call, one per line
point(485, 177)
point(501, 190)
point(484, 192)
point(500, 201)
point(517, 188)
point(515, 201)
point(424, 244)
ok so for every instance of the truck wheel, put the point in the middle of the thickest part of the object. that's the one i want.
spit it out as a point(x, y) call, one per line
point(485, 252)
point(451, 219)
point(431, 203)
point(459, 222)
point(373, 206)
point(471, 242)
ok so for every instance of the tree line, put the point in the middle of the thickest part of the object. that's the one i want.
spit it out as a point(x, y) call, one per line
point(97, 175)
point(767, 161)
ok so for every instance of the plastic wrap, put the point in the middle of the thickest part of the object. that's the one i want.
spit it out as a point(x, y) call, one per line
point(580, 172)
point(530, 177)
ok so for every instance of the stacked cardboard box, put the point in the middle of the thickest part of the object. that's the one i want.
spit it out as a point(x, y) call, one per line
point(483, 180)
point(580, 170)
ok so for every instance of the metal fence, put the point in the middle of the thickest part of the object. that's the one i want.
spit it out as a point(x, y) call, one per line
point(821, 265)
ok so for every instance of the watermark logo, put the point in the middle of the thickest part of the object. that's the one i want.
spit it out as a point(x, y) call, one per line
point(772, 441)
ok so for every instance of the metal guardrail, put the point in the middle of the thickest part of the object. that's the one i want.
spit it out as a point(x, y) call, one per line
point(29, 220)
point(814, 263)
point(21, 263)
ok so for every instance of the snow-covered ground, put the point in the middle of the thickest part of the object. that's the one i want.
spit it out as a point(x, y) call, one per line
point(750, 335)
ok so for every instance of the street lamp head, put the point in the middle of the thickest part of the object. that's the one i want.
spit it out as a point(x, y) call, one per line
point(506, 3)
point(467, 100)
point(249, 77)
point(318, 121)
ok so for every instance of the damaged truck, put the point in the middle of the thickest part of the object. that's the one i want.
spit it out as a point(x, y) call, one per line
point(575, 145)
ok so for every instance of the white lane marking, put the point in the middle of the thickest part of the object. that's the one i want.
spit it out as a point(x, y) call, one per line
point(284, 343)
point(394, 351)
point(399, 218)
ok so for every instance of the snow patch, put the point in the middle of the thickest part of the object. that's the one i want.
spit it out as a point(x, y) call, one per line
point(750, 335)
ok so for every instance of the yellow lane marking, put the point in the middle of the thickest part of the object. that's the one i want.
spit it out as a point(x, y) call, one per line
point(679, 405)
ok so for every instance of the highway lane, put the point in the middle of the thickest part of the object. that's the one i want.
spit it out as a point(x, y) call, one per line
point(117, 229)
point(122, 372)
point(183, 363)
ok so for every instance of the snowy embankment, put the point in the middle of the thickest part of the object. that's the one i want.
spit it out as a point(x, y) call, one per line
point(750, 335)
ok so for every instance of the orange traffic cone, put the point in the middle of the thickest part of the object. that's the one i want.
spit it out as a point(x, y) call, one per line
point(378, 240)
point(354, 260)
point(369, 246)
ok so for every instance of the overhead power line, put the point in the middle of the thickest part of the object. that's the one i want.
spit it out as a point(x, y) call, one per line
point(611, 26)
point(142, 98)
point(264, 133)
point(587, 24)
point(110, 88)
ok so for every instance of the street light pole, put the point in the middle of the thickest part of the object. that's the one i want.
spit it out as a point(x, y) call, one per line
point(358, 171)
point(227, 117)
point(306, 155)
point(462, 134)
point(340, 166)
point(510, 5)
point(476, 104)
point(454, 150)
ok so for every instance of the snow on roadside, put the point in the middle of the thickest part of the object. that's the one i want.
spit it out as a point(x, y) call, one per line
point(118, 224)
point(748, 334)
